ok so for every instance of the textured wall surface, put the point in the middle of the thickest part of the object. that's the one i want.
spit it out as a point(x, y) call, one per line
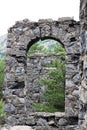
point(83, 68)
point(20, 38)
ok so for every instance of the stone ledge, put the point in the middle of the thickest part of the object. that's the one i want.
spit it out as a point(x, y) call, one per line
point(47, 114)
point(16, 128)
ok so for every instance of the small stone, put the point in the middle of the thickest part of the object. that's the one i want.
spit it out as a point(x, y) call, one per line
point(20, 70)
point(70, 84)
point(62, 122)
point(75, 93)
point(59, 114)
point(30, 121)
point(21, 128)
point(51, 122)
point(65, 19)
point(42, 122)
point(9, 108)
point(43, 128)
point(11, 120)
point(69, 112)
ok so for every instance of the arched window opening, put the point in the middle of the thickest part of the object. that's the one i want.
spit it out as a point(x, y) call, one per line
point(46, 76)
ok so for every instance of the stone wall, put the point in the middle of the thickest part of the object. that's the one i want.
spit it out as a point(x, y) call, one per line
point(83, 67)
point(20, 38)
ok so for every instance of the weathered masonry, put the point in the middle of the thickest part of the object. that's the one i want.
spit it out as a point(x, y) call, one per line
point(83, 67)
point(16, 90)
point(73, 36)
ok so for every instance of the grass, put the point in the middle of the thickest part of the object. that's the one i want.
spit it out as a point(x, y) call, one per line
point(46, 108)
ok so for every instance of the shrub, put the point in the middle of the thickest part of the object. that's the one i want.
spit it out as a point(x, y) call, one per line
point(44, 107)
point(2, 65)
point(2, 112)
point(54, 95)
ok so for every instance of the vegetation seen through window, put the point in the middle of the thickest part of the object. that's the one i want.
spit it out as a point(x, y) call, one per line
point(54, 95)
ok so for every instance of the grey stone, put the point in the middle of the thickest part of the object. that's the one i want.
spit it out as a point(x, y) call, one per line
point(43, 128)
point(20, 70)
point(65, 19)
point(62, 122)
point(9, 108)
point(59, 114)
point(17, 128)
point(69, 112)
point(31, 121)
point(70, 83)
point(72, 127)
point(51, 122)
point(75, 93)
point(42, 122)
point(11, 120)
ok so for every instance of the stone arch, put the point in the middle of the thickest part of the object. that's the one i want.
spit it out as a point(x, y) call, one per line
point(44, 38)
point(37, 61)
point(20, 37)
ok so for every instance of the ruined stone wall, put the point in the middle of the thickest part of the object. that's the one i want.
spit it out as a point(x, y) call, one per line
point(83, 67)
point(20, 38)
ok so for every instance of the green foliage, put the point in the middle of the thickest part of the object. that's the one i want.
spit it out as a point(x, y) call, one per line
point(2, 65)
point(46, 46)
point(44, 107)
point(60, 50)
point(2, 112)
point(54, 95)
point(36, 48)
